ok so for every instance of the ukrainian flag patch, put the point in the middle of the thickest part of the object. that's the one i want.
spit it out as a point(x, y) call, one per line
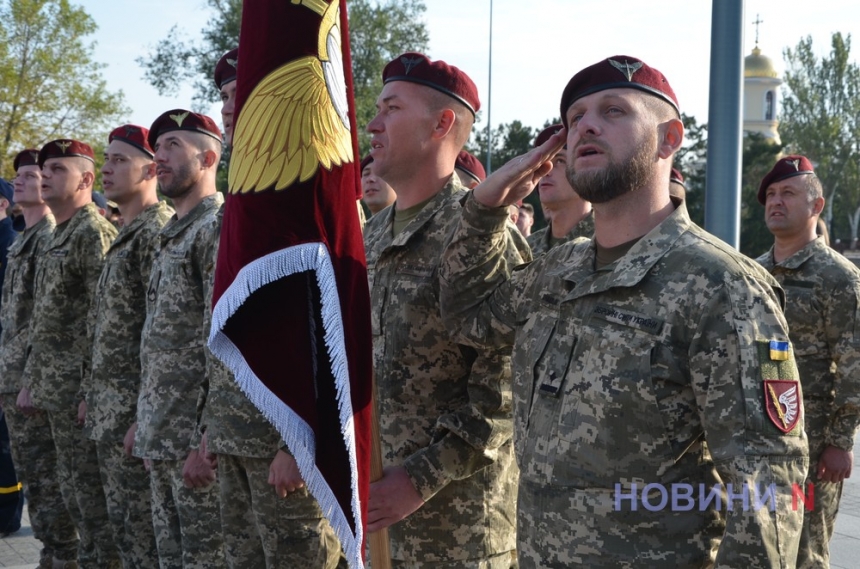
point(779, 351)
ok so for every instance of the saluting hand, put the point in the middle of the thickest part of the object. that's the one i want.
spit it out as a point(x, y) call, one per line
point(518, 178)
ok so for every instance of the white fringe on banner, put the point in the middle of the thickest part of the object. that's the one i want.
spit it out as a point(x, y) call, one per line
point(295, 432)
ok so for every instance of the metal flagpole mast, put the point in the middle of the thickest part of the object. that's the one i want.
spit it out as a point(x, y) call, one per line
point(490, 98)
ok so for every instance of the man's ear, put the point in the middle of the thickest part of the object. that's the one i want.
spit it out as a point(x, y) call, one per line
point(87, 180)
point(672, 138)
point(445, 121)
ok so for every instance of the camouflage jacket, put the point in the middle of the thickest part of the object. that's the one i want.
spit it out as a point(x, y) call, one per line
point(542, 240)
point(823, 312)
point(112, 385)
point(66, 277)
point(18, 300)
point(232, 423)
point(444, 408)
point(173, 349)
point(621, 377)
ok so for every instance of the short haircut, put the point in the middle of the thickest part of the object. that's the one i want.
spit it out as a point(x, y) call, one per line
point(814, 189)
point(530, 209)
point(84, 164)
point(661, 109)
point(438, 101)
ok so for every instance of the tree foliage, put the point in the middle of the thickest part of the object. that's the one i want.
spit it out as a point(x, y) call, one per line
point(50, 87)
point(759, 157)
point(821, 119)
point(379, 31)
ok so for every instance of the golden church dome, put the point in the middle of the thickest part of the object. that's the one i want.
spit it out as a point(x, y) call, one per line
point(758, 65)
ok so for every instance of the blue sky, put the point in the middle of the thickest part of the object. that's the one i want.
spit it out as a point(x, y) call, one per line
point(537, 44)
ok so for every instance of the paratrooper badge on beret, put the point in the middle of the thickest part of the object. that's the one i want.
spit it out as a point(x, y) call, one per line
point(617, 72)
point(225, 70)
point(418, 68)
point(180, 119)
point(787, 167)
point(28, 157)
point(133, 135)
point(65, 148)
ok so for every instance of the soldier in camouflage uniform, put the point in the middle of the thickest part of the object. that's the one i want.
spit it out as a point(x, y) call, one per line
point(174, 384)
point(65, 287)
point(569, 217)
point(32, 446)
point(112, 387)
point(822, 301)
point(444, 408)
point(632, 352)
point(260, 528)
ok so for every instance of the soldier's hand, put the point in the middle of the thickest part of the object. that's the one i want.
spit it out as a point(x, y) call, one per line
point(210, 457)
point(196, 472)
point(82, 412)
point(25, 402)
point(392, 498)
point(284, 474)
point(516, 179)
point(128, 439)
point(835, 464)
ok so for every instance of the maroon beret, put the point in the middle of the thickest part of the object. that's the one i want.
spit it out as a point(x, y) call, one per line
point(471, 165)
point(677, 177)
point(544, 135)
point(618, 72)
point(65, 148)
point(787, 167)
point(180, 119)
point(417, 68)
point(225, 70)
point(134, 135)
point(365, 162)
point(28, 157)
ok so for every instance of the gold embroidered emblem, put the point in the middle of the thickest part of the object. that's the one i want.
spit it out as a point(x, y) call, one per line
point(180, 118)
point(410, 63)
point(795, 163)
point(64, 145)
point(627, 68)
point(232, 62)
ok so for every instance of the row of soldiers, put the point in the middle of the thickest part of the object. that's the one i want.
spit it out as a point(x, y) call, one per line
point(120, 417)
point(534, 414)
point(516, 399)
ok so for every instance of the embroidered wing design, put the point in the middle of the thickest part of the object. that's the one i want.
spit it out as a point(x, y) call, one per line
point(294, 121)
point(789, 399)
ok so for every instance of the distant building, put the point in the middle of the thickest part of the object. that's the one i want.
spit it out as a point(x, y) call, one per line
point(761, 96)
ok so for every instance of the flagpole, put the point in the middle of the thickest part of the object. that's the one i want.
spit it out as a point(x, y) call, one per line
point(380, 545)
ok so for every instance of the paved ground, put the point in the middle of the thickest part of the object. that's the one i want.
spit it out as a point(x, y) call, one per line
point(21, 550)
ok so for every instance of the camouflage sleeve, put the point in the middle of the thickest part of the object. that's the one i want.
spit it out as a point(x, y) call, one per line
point(842, 327)
point(728, 367)
point(90, 253)
point(467, 437)
point(207, 251)
point(480, 294)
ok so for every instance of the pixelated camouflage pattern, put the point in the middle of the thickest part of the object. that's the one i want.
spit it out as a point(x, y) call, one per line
point(822, 291)
point(444, 408)
point(174, 384)
point(81, 488)
point(822, 307)
point(18, 300)
point(65, 285)
point(542, 240)
point(129, 505)
point(36, 466)
point(116, 319)
point(621, 375)
point(186, 521)
point(263, 530)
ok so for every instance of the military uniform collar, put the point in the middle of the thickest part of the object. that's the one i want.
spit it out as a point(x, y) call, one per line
point(807, 252)
point(629, 270)
point(175, 226)
point(28, 233)
point(129, 229)
point(67, 228)
point(434, 205)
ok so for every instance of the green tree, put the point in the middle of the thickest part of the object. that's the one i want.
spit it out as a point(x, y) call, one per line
point(821, 119)
point(690, 160)
point(379, 31)
point(50, 87)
